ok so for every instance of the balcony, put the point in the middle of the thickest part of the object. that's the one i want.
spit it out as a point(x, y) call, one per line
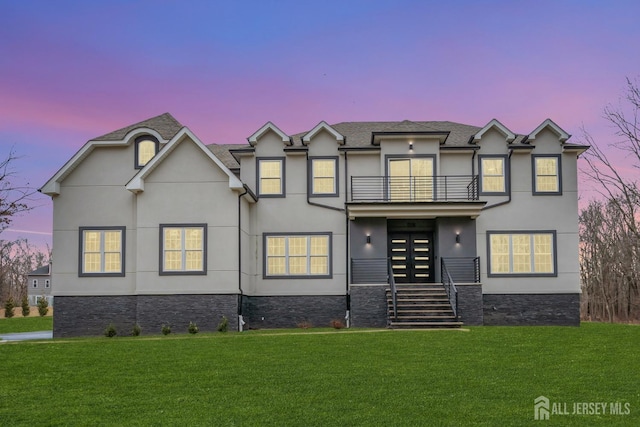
point(414, 196)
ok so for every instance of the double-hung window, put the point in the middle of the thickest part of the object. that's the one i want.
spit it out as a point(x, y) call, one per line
point(547, 175)
point(324, 176)
point(297, 255)
point(183, 249)
point(102, 251)
point(493, 178)
point(34, 283)
point(271, 177)
point(521, 253)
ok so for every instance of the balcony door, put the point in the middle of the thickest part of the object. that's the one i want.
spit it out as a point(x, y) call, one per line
point(411, 256)
point(411, 180)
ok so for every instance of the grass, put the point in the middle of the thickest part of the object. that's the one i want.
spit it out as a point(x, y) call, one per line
point(487, 376)
point(25, 324)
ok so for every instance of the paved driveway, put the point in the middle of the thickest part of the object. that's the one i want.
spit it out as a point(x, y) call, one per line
point(24, 336)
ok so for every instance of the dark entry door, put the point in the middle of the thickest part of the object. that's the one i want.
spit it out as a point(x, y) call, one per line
point(411, 257)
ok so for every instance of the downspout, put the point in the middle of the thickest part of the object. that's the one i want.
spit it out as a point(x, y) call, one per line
point(308, 195)
point(240, 320)
point(347, 264)
point(509, 186)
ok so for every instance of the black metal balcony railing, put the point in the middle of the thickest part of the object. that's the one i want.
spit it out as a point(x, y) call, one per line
point(414, 189)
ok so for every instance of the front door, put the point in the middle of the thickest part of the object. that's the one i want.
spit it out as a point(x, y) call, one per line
point(411, 256)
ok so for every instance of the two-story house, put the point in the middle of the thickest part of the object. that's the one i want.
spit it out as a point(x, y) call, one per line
point(401, 224)
point(39, 285)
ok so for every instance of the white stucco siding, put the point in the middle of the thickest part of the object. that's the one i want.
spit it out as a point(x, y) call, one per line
point(455, 164)
point(93, 195)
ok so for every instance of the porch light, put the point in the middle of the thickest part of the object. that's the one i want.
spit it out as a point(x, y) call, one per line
point(411, 145)
point(368, 239)
point(457, 237)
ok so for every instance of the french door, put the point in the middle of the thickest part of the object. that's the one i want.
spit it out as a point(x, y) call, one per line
point(411, 255)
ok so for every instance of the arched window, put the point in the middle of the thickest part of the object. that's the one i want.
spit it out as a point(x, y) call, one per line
point(146, 147)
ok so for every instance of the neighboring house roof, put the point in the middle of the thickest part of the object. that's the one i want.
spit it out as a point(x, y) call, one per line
point(165, 124)
point(41, 271)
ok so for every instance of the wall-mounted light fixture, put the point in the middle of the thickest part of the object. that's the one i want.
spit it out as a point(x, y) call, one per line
point(457, 237)
point(368, 239)
point(410, 145)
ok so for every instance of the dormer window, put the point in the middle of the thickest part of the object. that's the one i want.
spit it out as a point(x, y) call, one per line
point(146, 147)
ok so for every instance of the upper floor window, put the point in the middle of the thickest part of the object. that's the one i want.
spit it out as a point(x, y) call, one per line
point(146, 147)
point(547, 175)
point(297, 255)
point(34, 283)
point(47, 283)
point(493, 178)
point(102, 251)
point(522, 253)
point(183, 249)
point(324, 174)
point(411, 179)
point(271, 177)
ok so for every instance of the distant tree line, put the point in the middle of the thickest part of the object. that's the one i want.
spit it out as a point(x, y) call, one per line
point(609, 227)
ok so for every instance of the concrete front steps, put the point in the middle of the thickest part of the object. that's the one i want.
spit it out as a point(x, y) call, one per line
point(421, 306)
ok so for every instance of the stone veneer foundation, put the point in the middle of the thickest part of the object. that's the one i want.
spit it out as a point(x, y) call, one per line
point(532, 309)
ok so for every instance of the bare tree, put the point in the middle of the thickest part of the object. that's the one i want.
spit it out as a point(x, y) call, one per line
point(610, 228)
point(14, 198)
point(17, 259)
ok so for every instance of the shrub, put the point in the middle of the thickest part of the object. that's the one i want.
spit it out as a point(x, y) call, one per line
point(9, 305)
point(304, 325)
point(193, 328)
point(223, 326)
point(25, 306)
point(110, 332)
point(43, 306)
point(337, 324)
point(166, 329)
point(136, 330)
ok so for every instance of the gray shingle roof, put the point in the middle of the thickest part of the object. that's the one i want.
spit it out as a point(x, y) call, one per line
point(165, 124)
point(40, 271)
point(221, 151)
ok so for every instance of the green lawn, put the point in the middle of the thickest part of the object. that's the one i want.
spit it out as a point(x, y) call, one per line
point(25, 324)
point(487, 376)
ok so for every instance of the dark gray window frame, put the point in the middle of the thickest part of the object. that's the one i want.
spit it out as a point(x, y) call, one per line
point(310, 176)
point(202, 272)
point(507, 177)
point(304, 276)
point(283, 177)
point(123, 241)
point(388, 157)
point(533, 175)
point(554, 242)
point(137, 142)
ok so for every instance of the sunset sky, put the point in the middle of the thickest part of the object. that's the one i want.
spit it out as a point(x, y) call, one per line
point(74, 70)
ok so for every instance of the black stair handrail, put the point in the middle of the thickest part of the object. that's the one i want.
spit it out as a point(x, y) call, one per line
point(450, 287)
point(392, 288)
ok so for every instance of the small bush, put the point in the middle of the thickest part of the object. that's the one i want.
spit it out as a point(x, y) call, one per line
point(136, 330)
point(110, 332)
point(43, 306)
point(304, 325)
point(166, 329)
point(337, 324)
point(25, 306)
point(223, 326)
point(9, 305)
point(193, 328)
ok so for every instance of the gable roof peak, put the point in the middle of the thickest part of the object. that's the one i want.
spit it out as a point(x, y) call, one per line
point(562, 135)
point(269, 126)
point(319, 127)
point(494, 123)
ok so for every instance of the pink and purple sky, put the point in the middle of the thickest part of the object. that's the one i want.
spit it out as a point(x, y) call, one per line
point(74, 70)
